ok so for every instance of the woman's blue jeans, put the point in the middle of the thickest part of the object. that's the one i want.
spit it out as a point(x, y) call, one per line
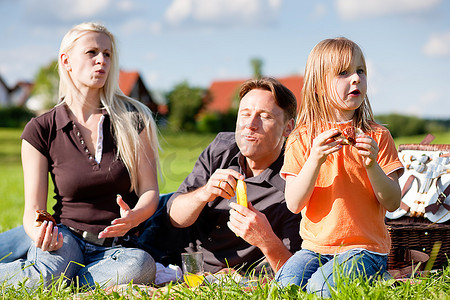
point(318, 274)
point(92, 264)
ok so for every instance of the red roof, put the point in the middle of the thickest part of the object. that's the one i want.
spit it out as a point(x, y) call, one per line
point(222, 92)
point(127, 80)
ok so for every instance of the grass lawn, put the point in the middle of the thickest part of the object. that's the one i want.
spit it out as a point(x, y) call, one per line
point(178, 155)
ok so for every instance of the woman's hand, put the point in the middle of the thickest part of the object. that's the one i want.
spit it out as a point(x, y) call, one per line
point(48, 238)
point(120, 226)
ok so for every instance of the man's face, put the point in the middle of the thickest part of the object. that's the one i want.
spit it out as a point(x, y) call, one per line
point(260, 127)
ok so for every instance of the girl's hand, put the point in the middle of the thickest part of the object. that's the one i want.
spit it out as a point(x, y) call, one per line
point(323, 145)
point(120, 226)
point(368, 149)
point(48, 238)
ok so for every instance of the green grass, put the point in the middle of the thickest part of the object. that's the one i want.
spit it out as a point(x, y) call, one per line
point(431, 286)
point(440, 138)
point(178, 155)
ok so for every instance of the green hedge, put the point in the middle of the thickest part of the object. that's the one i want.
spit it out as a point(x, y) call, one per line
point(14, 117)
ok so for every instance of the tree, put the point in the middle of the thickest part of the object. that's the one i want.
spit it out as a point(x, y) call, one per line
point(184, 104)
point(402, 125)
point(257, 67)
point(47, 84)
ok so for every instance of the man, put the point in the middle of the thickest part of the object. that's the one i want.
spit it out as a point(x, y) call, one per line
point(204, 207)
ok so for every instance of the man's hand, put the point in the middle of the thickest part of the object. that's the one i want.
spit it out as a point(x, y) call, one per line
point(222, 184)
point(250, 224)
point(187, 207)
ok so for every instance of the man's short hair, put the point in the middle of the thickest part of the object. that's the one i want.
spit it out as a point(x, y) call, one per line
point(283, 96)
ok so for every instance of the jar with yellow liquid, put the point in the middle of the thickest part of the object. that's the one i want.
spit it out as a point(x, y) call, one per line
point(192, 266)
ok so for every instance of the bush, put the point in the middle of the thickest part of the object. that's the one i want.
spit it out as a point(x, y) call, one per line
point(184, 103)
point(400, 125)
point(214, 122)
point(14, 117)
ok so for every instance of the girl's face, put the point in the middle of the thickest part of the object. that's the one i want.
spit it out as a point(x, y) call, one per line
point(89, 61)
point(348, 89)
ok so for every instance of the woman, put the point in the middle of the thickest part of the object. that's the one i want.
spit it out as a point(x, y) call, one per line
point(96, 143)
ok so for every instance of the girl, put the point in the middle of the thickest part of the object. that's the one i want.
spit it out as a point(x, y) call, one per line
point(342, 191)
point(96, 144)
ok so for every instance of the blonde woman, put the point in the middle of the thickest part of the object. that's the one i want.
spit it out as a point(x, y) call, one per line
point(342, 191)
point(100, 148)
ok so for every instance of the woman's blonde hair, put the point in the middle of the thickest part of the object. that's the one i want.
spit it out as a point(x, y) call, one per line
point(127, 115)
point(329, 57)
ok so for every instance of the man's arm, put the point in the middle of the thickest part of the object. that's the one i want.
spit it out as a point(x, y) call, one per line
point(253, 226)
point(186, 208)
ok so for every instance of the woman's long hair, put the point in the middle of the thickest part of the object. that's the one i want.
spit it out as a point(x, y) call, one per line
point(126, 114)
point(328, 58)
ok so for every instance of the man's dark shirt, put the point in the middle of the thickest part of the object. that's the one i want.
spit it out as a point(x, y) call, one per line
point(210, 234)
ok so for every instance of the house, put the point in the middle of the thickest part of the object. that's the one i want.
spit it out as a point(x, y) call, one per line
point(222, 93)
point(16, 96)
point(133, 86)
point(4, 93)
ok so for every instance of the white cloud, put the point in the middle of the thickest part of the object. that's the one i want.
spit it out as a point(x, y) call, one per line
point(155, 27)
point(84, 8)
point(320, 10)
point(178, 11)
point(430, 98)
point(357, 9)
point(24, 62)
point(438, 45)
point(374, 80)
point(66, 10)
point(429, 104)
point(229, 12)
point(50, 12)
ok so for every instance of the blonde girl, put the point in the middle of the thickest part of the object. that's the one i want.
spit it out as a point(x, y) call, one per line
point(342, 191)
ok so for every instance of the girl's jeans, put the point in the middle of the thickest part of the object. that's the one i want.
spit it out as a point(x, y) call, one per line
point(317, 273)
point(92, 264)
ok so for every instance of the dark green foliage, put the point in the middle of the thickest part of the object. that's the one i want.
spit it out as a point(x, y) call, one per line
point(400, 125)
point(184, 104)
point(14, 116)
point(47, 83)
point(214, 122)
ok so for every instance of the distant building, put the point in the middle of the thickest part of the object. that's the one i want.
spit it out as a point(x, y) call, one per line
point(133, 86)
point(15, 96)
point(222, 93)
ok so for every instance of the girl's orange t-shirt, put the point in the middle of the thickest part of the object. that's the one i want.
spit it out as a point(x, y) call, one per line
point(343, 212)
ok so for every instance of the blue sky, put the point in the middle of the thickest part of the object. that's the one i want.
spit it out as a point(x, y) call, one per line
point(406, 42)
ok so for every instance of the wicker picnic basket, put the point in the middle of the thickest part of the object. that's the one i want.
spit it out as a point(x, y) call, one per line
point(413, 232)
point(419, 235)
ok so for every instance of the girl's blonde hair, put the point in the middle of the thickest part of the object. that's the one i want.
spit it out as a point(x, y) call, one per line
point(127, 115)
point(329, 58)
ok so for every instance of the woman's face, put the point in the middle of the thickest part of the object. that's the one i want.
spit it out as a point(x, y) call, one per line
point(348, 89)
point(89, 61)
